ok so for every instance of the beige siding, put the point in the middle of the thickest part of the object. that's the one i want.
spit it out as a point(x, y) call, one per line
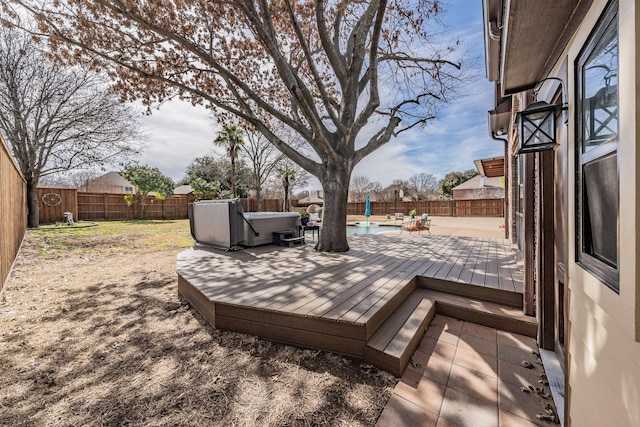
point(604, 356)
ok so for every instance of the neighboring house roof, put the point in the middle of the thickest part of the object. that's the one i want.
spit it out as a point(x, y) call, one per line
point(316, 197)
point(109, 182)
point(183, 190)
point(112, 179)
point(479, 181)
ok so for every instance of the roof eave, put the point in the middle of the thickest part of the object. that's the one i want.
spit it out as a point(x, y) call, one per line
point(526, 54)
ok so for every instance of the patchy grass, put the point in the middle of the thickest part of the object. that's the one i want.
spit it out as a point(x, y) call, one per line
point(114, 236)
point(92, 332)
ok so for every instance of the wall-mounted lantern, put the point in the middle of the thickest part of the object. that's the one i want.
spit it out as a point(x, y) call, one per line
point(538, 127)
point(537, 123)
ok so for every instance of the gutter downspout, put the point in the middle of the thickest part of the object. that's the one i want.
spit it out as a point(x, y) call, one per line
point(506, 182)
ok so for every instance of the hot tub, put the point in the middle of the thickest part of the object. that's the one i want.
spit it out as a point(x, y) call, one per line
point(223, 224)
point(217, 223)
point(265, 223)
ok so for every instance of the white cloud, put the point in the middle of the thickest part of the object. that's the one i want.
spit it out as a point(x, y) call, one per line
point(177, 133)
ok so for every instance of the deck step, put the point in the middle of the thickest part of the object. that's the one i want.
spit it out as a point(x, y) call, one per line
point(483, 312)
point(391, 347)
point(288, 238)
point(508, 298)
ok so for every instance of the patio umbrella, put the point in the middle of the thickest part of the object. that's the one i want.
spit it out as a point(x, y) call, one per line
point(367, 209)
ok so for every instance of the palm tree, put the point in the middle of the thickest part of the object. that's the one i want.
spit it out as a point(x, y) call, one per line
point(288, 176)
point(231, 138)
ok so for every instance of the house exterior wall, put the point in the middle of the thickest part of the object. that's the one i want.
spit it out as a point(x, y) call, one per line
point(603, 349)
point(603, 327)
point(478, 193)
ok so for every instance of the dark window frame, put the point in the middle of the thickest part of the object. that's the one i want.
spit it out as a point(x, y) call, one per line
point(606, 270)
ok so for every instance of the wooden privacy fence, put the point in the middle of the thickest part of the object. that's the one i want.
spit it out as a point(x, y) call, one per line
point(54, 202)
point(13, 210)
point(107, 206)
point(268, 205)
point(479, 207)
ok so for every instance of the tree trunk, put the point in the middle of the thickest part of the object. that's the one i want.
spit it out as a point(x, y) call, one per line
point(285, 184)
point(335, 184)
point(143, 205)
point(258, 199)
point(33, 207)
point(233, 178)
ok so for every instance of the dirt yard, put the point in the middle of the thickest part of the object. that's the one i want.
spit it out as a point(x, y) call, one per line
point(92, 332)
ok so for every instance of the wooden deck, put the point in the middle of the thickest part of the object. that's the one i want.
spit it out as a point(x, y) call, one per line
point(341, 302)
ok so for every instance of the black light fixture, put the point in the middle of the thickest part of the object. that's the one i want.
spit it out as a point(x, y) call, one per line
point(537, 124)
point(537, 127)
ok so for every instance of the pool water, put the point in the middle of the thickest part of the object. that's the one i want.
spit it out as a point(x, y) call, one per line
point(372, 229)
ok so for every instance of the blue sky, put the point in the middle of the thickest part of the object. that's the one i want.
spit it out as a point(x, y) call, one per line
point(178, 132)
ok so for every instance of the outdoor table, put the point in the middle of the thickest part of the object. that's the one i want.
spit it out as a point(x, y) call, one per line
point(313, 229)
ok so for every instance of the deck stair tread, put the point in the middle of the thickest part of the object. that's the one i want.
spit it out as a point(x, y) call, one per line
point(483, 312)
point(392, 345)
point(287, 238)
point(398, 327)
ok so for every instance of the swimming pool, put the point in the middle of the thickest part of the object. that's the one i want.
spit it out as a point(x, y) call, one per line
point(371, 229)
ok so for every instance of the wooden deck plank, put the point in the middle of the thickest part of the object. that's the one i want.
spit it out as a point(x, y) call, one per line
point(491, 280)
point(455, 273)
point(444, 258)
point(379, 295)
point(467, 272)
point(454, 264)
point(334, 292)
point(289, 335)
point(280, 318)
point(504, 272)
point(369, 305)
point(516, 274)
point(480, 269)
point(343, 295)
point(353, 298)
point(266, 287)
point(321, 279)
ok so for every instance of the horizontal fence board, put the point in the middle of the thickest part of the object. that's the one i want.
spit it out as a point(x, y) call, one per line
point(478, 207)
point(110, 206)
point(106, 206)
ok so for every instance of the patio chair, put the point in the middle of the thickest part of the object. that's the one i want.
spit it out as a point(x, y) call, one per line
point(425, 224)
point(418, 225)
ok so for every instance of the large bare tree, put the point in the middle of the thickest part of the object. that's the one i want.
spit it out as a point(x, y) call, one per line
point(424, 186)
point(263, 157)
point(56, 120)
point(360, 186)
point(326, 69)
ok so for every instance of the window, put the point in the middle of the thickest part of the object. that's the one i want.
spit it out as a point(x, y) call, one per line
point(597, 151)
